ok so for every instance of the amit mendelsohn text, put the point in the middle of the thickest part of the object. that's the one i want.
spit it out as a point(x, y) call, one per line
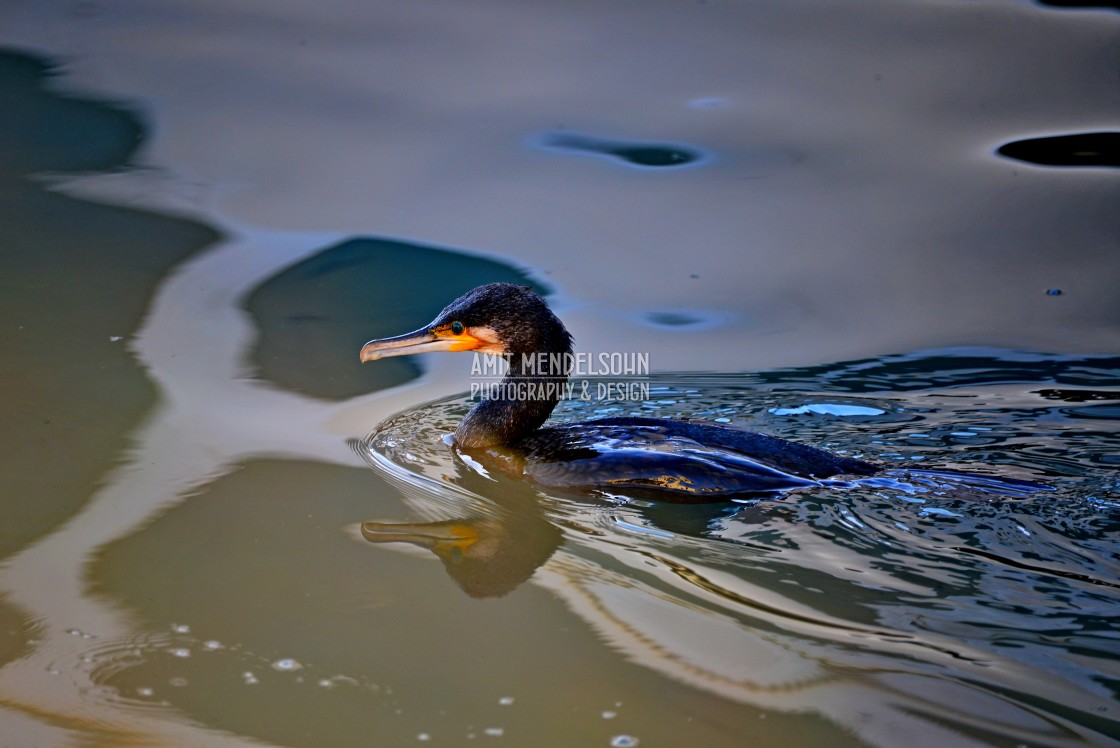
point(546, 375)
point(617, 364)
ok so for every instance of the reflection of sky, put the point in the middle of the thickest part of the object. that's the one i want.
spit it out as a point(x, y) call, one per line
point(893, 227)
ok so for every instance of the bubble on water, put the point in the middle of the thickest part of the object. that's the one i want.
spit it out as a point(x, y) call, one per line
point(213, 645)
point(180, 652)
point(623, 741)
point(423, 737)
point(178, 682)
point(505, 700)
point(335, 680)
point(609, 715)
point(249, 678)
point(286, 664)
point(145, 692)
point(180, 628)
point(494, 732)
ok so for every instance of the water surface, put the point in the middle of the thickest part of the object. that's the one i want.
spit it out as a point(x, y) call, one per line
point(207, 211)
point(913, 601)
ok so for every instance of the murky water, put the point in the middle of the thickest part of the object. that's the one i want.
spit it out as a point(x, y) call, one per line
point(895, 605)
point(205, 211)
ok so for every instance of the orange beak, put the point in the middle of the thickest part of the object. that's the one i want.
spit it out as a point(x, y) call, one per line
point(424, 340)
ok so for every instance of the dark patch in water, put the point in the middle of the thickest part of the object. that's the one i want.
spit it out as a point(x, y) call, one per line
point(313, 317)
point(692, 319)
point(1081, 149)
point(673, 319)
point(643, 155)
point(1079, 396)
point(1078, 4)
point(77, 279)
point(43, 131)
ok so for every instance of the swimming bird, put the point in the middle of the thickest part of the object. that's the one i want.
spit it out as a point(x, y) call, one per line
point(656, 458)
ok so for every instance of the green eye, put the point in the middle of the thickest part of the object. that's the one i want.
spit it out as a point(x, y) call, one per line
point(457, 328)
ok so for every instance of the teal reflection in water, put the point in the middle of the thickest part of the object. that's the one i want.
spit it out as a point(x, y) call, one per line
point(934, 605)
point(335, 300)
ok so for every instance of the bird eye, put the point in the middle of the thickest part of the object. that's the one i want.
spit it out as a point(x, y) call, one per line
point(456, 328)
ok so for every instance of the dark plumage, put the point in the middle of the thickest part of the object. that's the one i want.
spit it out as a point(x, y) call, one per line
point(505, 308)
point(656, 458)
point(521, 318)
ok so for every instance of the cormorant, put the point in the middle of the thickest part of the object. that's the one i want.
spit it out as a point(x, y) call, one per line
point(653, 458)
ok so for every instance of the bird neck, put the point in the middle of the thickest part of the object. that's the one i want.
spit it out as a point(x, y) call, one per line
point(522, 401)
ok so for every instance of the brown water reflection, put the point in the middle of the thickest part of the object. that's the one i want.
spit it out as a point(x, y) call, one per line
point(75, 280)
point(486, 556)
point(340, 640)
point(173, 521)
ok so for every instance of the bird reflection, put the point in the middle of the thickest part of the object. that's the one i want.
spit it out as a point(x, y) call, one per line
point(496, 543)
point(487, 556)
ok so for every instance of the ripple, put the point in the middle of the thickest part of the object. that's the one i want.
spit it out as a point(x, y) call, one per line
point(950, 562)
point(829, 409)
point(146, 670)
